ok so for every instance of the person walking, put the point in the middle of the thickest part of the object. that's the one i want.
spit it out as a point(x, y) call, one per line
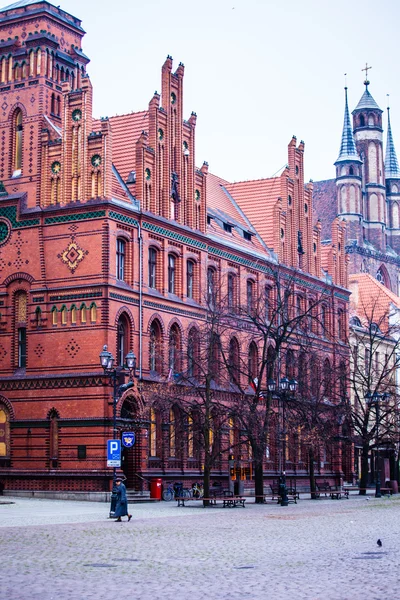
point(121, 509)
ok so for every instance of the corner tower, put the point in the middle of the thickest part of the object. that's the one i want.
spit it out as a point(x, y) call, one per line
point(348, 180)
point(368, 134)
point(40, 53)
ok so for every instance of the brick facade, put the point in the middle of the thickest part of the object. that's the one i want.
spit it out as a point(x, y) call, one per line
point(99, 220)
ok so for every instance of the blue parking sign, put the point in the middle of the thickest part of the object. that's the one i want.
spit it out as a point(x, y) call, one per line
point(113, 453)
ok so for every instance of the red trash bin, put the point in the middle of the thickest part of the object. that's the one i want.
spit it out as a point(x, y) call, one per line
point(155, 488)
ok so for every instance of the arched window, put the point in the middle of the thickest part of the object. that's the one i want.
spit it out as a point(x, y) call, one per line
point(341, 324)
point(253, 361)
point(174, 348)
point(121, 247)
point(18, 128)
point(302, 374)
point(171, 273)
point(4, 432)
point(193, 352)
point(351, 171)
point(83, 313)
point(214, 357)
point(155, 349)
point(93, 312)
point(271, 362)
point(362, 121)
point(152, 268)
point(189, 278)
point(63, 315)
point(268, 302)
point(342, 380)
point(122, 340)
point(53, 440)
point(324, 320)
point(234, 375)
point(73, 314)
point(54, 315)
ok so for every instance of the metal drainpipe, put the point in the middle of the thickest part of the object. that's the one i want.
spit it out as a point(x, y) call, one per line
point(140, 300)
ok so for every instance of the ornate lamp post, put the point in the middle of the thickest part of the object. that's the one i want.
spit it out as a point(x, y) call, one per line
point(285, 388)
point(107, 362)
point(375, 399)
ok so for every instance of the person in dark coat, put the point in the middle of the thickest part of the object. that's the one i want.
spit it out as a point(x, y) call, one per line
point(121, 509)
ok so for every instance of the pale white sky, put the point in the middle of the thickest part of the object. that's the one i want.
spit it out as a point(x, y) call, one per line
point(256, 71)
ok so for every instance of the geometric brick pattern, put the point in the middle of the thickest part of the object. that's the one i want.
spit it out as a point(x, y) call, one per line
point(72, 348)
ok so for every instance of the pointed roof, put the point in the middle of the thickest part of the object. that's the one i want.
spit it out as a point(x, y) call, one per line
point(392, 170)
point(367, 101)
point(348, 149)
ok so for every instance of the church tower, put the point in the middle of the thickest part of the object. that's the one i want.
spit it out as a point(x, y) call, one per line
point(392, 177)
point(368, 134)
point(348, 180)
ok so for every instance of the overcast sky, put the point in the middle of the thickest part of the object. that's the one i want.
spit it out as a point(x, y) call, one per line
point(256, 71)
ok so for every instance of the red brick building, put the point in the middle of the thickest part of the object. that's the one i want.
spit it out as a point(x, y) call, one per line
point(107, 232)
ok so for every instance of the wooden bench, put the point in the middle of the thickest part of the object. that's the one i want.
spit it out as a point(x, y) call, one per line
point(292, 493)
point(233, 501)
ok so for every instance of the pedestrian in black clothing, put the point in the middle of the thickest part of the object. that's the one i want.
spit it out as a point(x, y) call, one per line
point(121, 509)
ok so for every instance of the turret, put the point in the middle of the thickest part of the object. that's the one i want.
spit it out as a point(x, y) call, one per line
point(348, 179)
point(392, 176)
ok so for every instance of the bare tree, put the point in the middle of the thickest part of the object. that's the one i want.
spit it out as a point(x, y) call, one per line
point(375, 350)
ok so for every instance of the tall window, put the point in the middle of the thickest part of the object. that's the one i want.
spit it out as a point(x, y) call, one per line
point(249, 295)
point(122, 340)
point(155, 347)
point(189, 278)
point(172, 433)
point(231, 291)
point(22, 347)
point(121, 259)
point(73, 314)
point(171, 273)
point(234, 361)
point(268, 302)
point(152, 268)
point(253, 361)
point(153, 433)
point(341, 326)
point(53, 445)
point(17, 142)
point(64, 315)
point(193, 353)
point(290, 365)
point(174, 349)
point(211, 288)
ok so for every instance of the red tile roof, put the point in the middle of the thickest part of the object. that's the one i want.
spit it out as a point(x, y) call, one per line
point(257, 199)
point(126, 130)
point(370, 299)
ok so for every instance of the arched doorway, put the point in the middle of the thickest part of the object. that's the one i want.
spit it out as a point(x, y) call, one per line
point(134, 458)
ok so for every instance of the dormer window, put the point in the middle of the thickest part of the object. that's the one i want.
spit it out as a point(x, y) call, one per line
point(247, 235)
point(228, 227)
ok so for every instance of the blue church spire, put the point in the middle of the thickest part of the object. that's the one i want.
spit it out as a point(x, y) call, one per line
point(348, 149)
point(392, 170)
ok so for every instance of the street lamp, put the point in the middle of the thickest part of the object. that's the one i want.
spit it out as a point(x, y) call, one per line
point(107, 362)
point(376, 398)
point(285, 387)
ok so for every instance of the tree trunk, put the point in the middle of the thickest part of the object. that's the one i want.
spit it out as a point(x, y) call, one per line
point(364, 470)
point(206, 481)
point(259, 481)
point(313, 487)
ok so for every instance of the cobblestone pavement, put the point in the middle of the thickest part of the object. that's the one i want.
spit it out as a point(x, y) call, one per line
point(315, 550)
